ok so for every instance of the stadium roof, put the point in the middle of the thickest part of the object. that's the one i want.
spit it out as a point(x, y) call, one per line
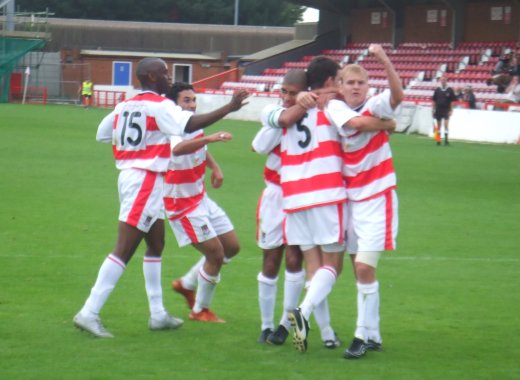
point(286, 46)
point(116, 53)
point(342, 6)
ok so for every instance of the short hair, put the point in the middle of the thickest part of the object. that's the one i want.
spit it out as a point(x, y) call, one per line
point(296, 77)
point(177, 88)
point(319, 70)
point(354, 69)
point(146, 66)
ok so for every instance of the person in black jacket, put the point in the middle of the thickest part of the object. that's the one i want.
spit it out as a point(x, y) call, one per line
point(442, 98)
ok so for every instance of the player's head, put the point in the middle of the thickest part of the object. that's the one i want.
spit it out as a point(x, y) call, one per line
point(444, 80)
point(354, 84)
point(322, 72)
point(183, 95)
point(293, 82)
point(153, 75)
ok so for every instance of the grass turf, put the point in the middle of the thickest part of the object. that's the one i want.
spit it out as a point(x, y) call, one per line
point(449, 297)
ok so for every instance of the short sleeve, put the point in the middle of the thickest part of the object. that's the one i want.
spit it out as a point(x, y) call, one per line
point(270, 115)
point(267, 139)
point(106, 128)
point(379, 106)
point(339, 114)
point(171, 119)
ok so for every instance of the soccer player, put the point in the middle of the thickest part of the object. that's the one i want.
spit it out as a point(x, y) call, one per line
point(370, 183)
point(314, 193)
point(270, 217)
point(194, 217)
point(270, 230)
point(139, 130)
point(442, 98)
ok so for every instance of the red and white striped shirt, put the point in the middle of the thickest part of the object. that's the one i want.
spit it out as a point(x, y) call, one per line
point(267, 141)
point(184, 186)
point(311, 158)
point(140, 128)
point(367, 159)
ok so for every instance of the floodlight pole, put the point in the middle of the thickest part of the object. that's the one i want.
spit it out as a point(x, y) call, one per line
point(9, 12)
point(237, 3)
point(394, 23)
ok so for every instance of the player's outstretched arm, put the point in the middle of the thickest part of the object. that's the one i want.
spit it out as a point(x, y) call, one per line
point(394, 81)
point(369, 123)
point(197, 122)
point(190, 146)
point(291, 115)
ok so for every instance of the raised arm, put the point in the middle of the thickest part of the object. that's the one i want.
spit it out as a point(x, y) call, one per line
point(394, 81)
point(197, 122)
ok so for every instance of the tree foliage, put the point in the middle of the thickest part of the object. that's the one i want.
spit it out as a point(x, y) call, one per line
point(251, 12)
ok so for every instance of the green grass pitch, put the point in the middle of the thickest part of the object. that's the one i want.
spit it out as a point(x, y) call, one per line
point(450, 299)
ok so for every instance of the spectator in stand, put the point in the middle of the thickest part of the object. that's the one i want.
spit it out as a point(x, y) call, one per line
point(515, 65)
point(513, 90)
point(443, 97)
point(458, 93)
point(501, 74)
point(469, 97)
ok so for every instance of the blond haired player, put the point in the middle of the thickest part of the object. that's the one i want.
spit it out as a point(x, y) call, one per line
point(370, 184)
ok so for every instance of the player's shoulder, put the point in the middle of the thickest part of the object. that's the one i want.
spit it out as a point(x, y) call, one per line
point(270, 114)
point(336, 104)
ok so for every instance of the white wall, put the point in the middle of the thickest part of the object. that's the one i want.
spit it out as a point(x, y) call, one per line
point(472, 125)
point(465, 124)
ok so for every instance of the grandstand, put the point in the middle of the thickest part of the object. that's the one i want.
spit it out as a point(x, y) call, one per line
point(418, 64)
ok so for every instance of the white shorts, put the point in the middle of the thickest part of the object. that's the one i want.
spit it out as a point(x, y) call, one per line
point(269, 218)
point(140, 197)
point(372, 224)
point(320, 225)
point(205, 222)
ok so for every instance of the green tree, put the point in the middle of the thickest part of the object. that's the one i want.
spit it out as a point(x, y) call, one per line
point(251, 12)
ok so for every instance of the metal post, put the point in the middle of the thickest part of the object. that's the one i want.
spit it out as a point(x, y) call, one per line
point(10, 16)
point(237, 3)
point(394, 23)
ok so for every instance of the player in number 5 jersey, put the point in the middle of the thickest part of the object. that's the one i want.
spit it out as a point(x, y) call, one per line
point(139, 130)
point(314, 192)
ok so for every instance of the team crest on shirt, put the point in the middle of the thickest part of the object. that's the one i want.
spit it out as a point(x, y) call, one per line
point(196, 160)
point(205, 229)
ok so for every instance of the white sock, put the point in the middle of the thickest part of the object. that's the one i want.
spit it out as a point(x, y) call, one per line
point(189, 280)
point(321, 285)
point(292, 289)
point(152, 280)
point(267, 299)
point(205, 290)
point(367, 325)
point(322, 317)
point(108, 276)
point(227, 260)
